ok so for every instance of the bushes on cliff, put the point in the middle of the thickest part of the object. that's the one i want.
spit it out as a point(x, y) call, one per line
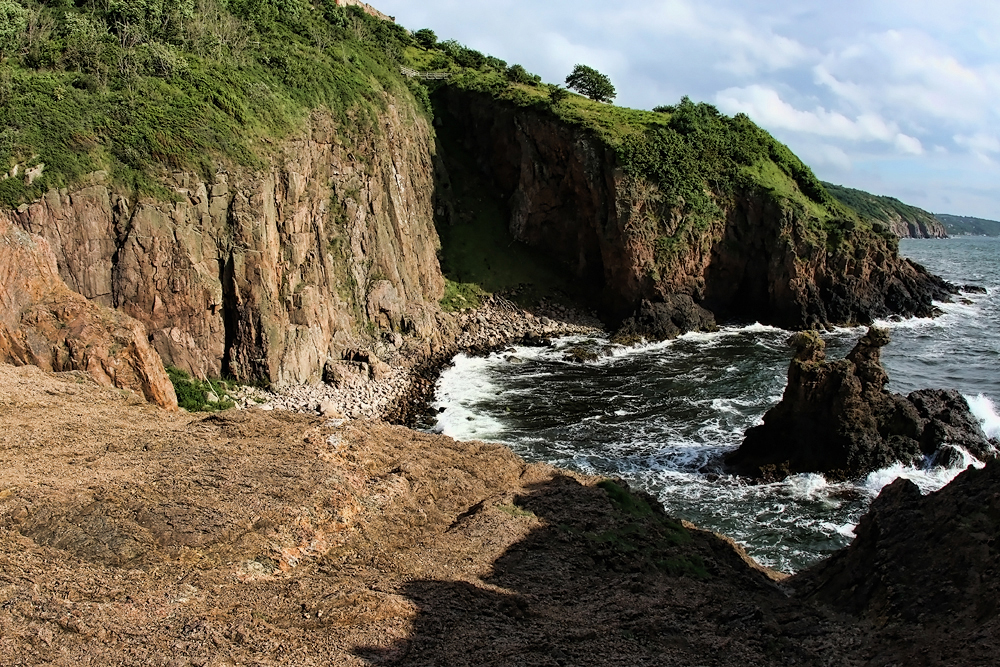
point(13, 22)
point(135, 87)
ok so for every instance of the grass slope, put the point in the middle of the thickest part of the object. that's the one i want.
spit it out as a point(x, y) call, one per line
point(879, 208)
point(135, 87)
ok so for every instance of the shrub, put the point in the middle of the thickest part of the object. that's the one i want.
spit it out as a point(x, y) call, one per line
point(426, 38)
point(13, 23)
point(557, 93)
point(193, 395)
point(517, 74)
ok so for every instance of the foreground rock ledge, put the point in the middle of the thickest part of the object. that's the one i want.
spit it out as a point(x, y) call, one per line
point(836, 418)
point(134, 536)
point(44, 323)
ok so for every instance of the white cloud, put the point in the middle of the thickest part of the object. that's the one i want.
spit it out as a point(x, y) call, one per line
point(765, 106)
point(981, 145)
point(909, 145)
point(752, 51)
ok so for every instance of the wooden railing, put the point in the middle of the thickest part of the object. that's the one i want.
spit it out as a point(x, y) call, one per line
point(427, 76)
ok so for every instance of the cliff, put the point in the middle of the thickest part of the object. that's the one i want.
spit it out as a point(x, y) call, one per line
point(903, 220)
point(767, 245)
point(266, 206)
point(959, 225)
point(264, 276)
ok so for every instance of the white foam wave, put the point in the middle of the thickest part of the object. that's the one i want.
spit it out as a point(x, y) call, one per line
point(927, 479)
point(806, 485)
point(459, 390)
point(983, 409)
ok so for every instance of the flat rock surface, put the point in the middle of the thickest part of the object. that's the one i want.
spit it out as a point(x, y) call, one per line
point(134, 536)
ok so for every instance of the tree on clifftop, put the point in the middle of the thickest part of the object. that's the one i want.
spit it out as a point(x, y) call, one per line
point(591, 83)
point(426, 38)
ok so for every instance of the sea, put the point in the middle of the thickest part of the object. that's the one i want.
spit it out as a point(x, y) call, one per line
point(660, 416)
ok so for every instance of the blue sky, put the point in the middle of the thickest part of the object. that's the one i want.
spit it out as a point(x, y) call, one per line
point(895, 97)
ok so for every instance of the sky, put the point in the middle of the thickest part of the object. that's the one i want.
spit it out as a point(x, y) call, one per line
point(896, 97)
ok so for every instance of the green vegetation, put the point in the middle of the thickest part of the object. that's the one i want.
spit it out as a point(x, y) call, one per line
point(478, 255)
point(461, 295)
point(136, 87)
point(883, 211)
point(196, 395)
point(957, 225)
point(647, 536)
point(515, 511)
point(588, 81)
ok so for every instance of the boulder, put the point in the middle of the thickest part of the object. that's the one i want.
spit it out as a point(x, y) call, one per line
point(666, 319)
point(836, 418)
point(44, 323)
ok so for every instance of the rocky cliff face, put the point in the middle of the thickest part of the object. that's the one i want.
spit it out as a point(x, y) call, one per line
point(265, 275)
point(759, 260)
point(917, 228)
point(44, 323)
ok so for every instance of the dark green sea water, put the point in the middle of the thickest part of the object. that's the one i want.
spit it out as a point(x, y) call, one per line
point(659, 416)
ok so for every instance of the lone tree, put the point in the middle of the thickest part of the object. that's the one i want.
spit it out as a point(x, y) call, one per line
point(591, 83)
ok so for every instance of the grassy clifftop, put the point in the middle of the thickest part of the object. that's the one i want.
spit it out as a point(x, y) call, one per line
point(136, 87)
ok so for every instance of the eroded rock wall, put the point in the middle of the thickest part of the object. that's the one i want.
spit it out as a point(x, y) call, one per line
point(46, 324)
point(265, 275)
point(918, 228)
point(759, 260)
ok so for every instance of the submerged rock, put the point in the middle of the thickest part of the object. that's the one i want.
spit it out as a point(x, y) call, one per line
point(836, 418)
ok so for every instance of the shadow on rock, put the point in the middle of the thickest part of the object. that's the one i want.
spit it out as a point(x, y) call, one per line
point(606, 578)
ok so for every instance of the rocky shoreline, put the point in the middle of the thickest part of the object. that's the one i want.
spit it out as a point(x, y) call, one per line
point(397, 389)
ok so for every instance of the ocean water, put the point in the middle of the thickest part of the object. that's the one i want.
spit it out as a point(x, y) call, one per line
point(659, 415)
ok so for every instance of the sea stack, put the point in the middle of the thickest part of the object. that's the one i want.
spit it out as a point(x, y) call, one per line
point(836, 418)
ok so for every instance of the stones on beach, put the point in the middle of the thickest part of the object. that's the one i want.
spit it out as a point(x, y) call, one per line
point(361, 385)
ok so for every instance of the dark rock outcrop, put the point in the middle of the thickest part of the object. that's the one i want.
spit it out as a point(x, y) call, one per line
point(836, 418)
point(666, 319)
point(920, 559)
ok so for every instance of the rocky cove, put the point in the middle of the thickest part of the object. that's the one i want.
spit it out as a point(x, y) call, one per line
point(310, 526)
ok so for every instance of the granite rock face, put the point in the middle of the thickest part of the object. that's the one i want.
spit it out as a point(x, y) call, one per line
point(265, 275)
point(836, 418)
point(46, 324)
